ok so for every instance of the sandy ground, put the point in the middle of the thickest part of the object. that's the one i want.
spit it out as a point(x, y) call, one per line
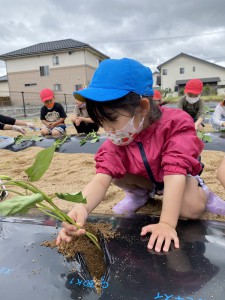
point(69, 173)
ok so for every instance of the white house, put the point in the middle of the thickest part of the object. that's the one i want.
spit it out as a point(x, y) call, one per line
point(183, 67)
point(156, 80)
point(64, 66)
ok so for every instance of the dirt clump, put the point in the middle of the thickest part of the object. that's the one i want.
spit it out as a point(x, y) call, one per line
point(93, 256)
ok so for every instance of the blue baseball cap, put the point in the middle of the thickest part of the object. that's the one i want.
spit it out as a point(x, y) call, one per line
point(115, 78)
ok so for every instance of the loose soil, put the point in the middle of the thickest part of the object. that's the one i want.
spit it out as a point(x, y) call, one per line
point(92, 255)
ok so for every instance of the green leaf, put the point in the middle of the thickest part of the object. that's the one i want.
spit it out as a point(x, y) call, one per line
point(41, 163)
point(200, 134)
point(59, 142)
point(22, 139)
point(77, 198)
point(19, 204)
point(207, 138)
point(95, 140)
point(82, 142)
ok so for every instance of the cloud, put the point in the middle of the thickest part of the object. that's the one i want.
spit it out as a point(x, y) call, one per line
point(151, 31)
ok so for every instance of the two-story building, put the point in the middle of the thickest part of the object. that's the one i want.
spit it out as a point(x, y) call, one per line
point(175, 73)
point(64, 66)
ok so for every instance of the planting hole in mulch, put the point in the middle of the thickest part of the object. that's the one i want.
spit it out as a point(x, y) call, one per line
point(31, 271)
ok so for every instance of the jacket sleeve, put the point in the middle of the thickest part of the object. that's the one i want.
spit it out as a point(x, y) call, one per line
point(180, 103)
point(201, 110)
point(182, 148)
point(7, 120)
point(109, 161)
point(217, 116)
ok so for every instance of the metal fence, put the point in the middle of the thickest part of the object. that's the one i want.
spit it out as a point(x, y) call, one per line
point(29, 103)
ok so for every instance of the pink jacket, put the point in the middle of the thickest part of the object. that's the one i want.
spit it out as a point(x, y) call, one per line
point(170, 144)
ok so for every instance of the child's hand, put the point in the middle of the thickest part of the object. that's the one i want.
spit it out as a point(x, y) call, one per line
point(19, 129)
point(79, 215)
point(79, 120)
point(161, 233)
point(49, 125)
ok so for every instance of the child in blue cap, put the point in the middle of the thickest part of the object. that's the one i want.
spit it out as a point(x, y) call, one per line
point(149, 149)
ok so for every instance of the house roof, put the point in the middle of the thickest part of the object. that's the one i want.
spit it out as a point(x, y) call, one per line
point(187, 55)
point(204, 80)
point(48, 47)
point(4, 78)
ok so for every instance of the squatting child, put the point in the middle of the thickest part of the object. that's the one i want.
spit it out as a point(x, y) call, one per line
point(53, 115)
point(149, 148)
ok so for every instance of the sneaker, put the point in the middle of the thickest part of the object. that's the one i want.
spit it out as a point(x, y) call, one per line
point(131, 202)
point(215, 204)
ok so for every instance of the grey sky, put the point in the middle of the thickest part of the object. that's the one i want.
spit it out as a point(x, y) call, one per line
point(151, 31)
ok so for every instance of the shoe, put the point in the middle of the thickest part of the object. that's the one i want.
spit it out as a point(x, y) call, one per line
point(131, 202)
point(215, 204)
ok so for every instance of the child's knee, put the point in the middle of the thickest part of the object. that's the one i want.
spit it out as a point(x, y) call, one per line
point(44, 131)
point(56, 133)
point(194, 203)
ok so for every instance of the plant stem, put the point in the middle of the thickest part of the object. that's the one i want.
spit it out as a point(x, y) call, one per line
point(60, 214)
point(47, 213)
point(91, 236)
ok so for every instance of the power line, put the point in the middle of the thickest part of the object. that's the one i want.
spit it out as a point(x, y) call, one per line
point(158, 38)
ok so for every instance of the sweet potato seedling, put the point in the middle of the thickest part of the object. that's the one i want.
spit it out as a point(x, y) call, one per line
point(93, 136)
point(29, 196)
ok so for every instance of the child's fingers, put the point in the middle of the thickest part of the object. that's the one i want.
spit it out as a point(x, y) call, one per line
point(77, 232)
point(176, 242)
point(63, 236)
point(145, 230)
point(69, 227)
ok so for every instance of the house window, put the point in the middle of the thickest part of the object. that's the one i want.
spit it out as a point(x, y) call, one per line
point(78, 87)
point(30, 84)
point(164, 71)
point(176, 88)
point(98, 61)
point(55, 60)
point(193, 69)
point(44, 70)
point(57, 87)
point(181, 70)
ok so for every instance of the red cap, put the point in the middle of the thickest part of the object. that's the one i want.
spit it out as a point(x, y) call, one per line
point(46, 94)
point(194, 86)
point(157, 95)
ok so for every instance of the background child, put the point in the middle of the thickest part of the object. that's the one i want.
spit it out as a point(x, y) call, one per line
point(81, 120)
point(53, 115)
point(148, 147)
point(192, 103)
point(218, 118)
point(157, 97)
point(8, 123)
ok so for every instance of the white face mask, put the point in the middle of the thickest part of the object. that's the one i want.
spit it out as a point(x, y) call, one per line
point(192, 100)
point(125, 135)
